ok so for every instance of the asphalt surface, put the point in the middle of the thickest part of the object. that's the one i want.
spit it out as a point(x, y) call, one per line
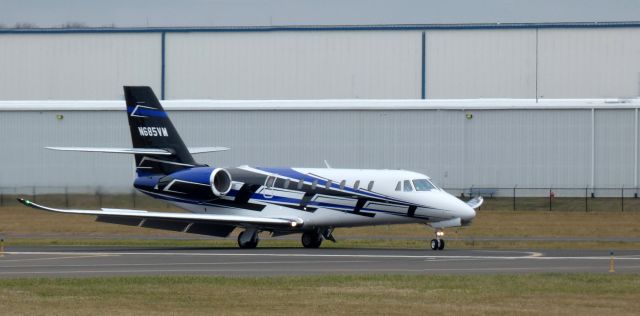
point(55, 261)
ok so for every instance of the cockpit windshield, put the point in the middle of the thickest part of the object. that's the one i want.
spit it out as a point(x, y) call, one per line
point(423, 185)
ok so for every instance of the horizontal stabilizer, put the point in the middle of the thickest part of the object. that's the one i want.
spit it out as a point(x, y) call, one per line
point(202, 150)
point(165, 219)
point(141, 151)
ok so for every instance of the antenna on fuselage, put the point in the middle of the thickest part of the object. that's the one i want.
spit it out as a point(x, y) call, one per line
point(327, 164)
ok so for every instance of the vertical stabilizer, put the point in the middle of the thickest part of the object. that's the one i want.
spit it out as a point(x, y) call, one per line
point(151, 128)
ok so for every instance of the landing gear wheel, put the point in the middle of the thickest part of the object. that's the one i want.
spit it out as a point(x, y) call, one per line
point(247, 245)
point(311, 239)
point(434, 244)
point(441, 244)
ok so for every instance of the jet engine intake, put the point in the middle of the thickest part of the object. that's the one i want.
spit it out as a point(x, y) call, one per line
point(220, 180)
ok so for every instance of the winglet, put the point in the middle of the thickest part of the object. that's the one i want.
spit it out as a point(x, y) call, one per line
point(475, 202)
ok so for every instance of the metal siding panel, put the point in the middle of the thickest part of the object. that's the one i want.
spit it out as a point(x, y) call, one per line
point(77, 66)
point(424, 141)
point(26, 163)
point(614, 148)
point(541, 148)
point(481, 64)
point(294, 65)
point(497, 148)
point(589, 63)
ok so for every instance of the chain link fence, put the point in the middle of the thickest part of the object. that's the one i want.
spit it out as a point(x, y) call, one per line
point(502, 199)
point(81, 197)
point(550, 199)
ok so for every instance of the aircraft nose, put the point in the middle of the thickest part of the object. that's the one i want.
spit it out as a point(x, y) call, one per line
point(467, 214)
point(464, 211)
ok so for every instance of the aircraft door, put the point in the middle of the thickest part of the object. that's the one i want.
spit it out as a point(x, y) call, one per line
point(268, 187)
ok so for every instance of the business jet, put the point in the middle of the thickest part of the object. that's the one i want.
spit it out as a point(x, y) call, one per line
point(281, 201)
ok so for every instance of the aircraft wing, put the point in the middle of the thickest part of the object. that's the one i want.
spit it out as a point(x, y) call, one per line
point(204, 224)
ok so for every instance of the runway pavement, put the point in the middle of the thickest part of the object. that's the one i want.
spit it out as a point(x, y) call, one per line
point(109, 261)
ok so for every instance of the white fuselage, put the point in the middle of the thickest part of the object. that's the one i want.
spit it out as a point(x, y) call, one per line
point(344, 198)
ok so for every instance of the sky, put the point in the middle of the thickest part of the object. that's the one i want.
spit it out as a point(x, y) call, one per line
point(212, 13)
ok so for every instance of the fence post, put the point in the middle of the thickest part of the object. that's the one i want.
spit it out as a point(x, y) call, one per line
point(99, 197)
point(514, 197)
point(586, 199)
point(622, 199)
point(550, 199)
point(66, 196)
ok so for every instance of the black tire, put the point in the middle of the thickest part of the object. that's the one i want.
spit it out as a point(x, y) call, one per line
point(248, 245)
point(441, 244)
point(311, 240)
point(434, 244)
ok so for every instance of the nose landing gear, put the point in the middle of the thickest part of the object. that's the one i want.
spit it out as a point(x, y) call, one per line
point(438, 242)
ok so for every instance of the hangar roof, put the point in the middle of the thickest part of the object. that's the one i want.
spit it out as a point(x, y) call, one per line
point(301, 13)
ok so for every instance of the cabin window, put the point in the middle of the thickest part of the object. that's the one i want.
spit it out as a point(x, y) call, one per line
point(328, 184)
point(399, 186)
point(279, 183)
point(342, 184)
point(423, 185)
point(407, 186)
point(300, 184)
point(370, 186)
point(270, 181)
point(356, 185)
point(314, 184)
point(286, 183)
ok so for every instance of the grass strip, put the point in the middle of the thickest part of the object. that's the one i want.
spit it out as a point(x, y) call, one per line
point(539, 294)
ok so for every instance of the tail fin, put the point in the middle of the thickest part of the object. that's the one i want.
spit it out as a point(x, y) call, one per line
point(151, 128)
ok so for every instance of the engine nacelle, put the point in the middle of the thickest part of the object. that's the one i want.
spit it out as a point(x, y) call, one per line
point(220, 180)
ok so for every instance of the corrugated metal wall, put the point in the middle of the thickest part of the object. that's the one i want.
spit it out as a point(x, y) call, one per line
point(77, 66)
point(579, 63)
point(481, 64)
point(300, 65)
point(496, 148)
point(363, 64)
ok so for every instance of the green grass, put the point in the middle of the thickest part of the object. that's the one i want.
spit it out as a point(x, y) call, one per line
point(21, 225)
point(547, 294)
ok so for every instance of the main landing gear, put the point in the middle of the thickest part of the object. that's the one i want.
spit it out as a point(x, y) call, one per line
point(314, 238)
point(248, 239)
point(311, 239)
point(438, 242)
